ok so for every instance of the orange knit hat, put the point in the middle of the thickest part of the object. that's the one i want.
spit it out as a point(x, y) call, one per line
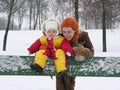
point(71, 22)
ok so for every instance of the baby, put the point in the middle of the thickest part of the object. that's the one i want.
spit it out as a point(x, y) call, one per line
point(51, 44)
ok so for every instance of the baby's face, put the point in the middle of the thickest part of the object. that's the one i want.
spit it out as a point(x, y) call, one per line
point(51, 33)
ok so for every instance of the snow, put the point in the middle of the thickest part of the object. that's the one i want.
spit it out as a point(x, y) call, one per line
point(14, 63)
point(19, 41)
point(109, 66)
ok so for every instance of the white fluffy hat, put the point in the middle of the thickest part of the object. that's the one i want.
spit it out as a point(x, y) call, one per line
point(51, 23)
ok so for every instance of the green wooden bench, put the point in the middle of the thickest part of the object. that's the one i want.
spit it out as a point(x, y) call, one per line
point(95, 66)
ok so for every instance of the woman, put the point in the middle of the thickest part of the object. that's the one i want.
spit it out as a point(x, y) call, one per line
point(82, 46)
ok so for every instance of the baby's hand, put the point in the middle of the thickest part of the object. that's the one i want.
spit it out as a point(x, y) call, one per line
point(68, 54)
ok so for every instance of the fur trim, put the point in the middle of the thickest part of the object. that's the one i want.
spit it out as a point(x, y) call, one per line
point(79, 58)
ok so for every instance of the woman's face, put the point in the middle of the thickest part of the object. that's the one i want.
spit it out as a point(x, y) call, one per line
point(68, 33)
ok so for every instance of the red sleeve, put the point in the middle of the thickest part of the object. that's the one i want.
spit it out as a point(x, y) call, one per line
point(34, 47)
point(66, 46)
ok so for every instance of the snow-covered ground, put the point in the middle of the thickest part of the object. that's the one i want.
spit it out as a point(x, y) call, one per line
point(17, 44)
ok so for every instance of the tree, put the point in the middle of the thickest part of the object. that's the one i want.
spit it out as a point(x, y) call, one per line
point(3, 24)
point(76, 9)
point(8, 23)
point(21, 14)
point(37, 13)
point(104, 25)
point(101, 14)
point(10, 9)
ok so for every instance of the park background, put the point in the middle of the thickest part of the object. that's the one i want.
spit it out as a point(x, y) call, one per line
point(20, 21)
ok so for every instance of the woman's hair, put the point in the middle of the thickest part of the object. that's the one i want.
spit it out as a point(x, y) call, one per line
point(71, 22)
